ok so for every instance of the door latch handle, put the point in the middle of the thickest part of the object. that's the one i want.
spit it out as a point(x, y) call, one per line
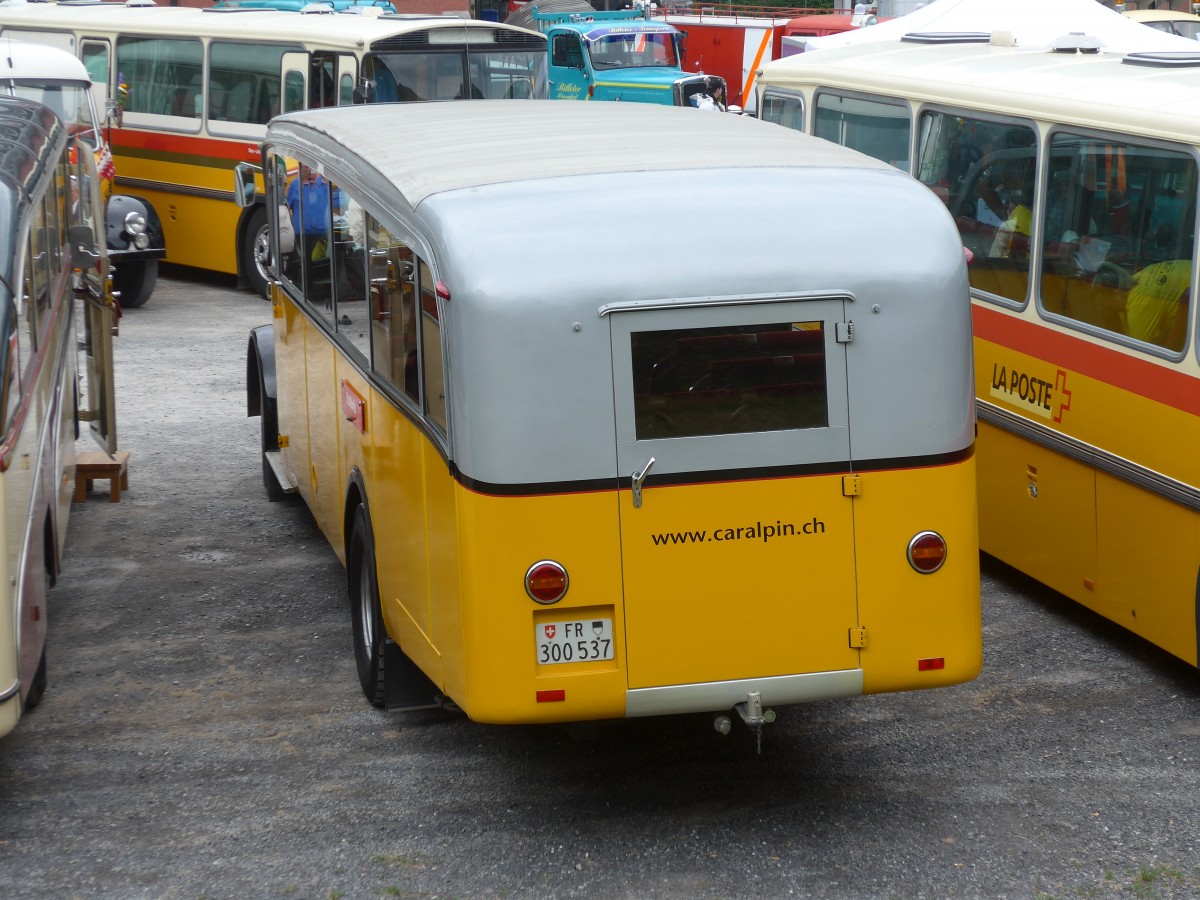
point(638, 478)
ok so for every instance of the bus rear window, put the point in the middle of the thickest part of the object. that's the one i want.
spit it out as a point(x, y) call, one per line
point(729, 380)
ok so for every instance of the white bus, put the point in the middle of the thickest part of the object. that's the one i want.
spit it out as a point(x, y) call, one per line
point(51, 205)
point(1073, 175)
point(133, 233)
point(194, 88)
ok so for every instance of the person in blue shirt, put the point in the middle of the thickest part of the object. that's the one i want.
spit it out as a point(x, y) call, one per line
point(308, 203)
point(308, 198)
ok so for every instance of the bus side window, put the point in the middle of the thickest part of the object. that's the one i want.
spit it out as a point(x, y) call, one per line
point(1118, 238)
point(310, 201)
point(783, 110)
point(431, 350)
point(348, 258)
point(393, 309)
point(293, 91)
point(95, 60)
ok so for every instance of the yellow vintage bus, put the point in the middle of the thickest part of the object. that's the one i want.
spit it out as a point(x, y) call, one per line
point(1072, 175)
point(192, 90)
point(53, 216)
point(581, 463)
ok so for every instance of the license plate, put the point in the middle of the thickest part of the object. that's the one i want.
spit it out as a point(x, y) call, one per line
point(571, 642)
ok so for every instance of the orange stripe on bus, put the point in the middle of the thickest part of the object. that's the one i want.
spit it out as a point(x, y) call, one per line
point(225, 148)
point(762, 48)
point(1109, 365)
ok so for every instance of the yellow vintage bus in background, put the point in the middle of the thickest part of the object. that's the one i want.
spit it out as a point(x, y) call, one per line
point(582, 465)
point(1072, 176)
point(52, 215)
point(194, 88)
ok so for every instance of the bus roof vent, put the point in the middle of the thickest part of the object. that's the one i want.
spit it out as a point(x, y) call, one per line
point(140, 3)
point(947, 37)
point(1164, 59)
point(1075, 42)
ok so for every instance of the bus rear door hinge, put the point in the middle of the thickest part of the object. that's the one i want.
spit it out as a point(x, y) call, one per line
point(858, 637)
point(851, 485)
point(843, 332)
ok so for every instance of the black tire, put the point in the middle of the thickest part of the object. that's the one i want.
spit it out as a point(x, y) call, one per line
point(365, 611)
point(270, 443)
point(134, 281)
point(256, 253)
point(38, 686)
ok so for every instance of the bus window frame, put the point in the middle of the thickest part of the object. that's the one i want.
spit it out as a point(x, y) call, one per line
point(897, 102)
point(1190, 346)
point(1030, 125)
point(238, 128)
point(193, 124)
point(775, 93)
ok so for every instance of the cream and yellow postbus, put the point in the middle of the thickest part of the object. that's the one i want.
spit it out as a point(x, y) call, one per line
point(192, 90)
point(52, 215)
point(1072, 176)
point(583, 463)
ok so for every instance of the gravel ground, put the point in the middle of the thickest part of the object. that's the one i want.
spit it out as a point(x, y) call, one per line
point(203, 734)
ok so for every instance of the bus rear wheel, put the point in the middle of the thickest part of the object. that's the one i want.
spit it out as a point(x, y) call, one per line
point(365, 610)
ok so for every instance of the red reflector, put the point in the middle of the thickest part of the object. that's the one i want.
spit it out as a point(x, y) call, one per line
point(546, 581)
point(551, 696)
point(927, 552)
point(441, 290)
point(925, 665)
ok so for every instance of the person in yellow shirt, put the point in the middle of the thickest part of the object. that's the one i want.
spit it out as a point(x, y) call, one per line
point(1019, 222)
point(1156, 308)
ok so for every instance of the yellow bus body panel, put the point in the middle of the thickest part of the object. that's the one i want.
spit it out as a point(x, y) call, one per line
point(186, 214)
point(1126, 552)
point(496, 655)
point(908, 616)
point(743, 602)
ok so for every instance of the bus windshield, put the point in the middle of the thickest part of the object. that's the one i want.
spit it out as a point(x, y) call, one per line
point(438, 75)
point(71, 102)
point(632, 51)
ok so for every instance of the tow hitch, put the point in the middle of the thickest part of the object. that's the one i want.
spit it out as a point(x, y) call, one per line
point(752, 713)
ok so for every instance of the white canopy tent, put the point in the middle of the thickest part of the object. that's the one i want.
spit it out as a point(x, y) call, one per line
point(1032, 24)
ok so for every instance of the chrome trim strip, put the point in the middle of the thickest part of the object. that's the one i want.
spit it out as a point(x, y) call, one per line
point(1117, 466)
point(718, 696)
point(164, 187)
point(11, 691)
point(692, 302)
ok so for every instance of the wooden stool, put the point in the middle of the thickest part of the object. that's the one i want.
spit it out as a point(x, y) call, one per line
point(96, 464)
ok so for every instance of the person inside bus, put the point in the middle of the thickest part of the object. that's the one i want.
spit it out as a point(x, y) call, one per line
point(1019, 224)
point(1156, 309)
point(307, 199)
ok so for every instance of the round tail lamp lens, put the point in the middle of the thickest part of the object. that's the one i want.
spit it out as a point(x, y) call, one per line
point(927, 552)
point(546, 582)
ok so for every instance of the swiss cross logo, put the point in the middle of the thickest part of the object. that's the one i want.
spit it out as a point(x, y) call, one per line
point(550, 630)
point(1062, 395)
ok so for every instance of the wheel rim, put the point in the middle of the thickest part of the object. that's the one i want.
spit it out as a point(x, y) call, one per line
point(262, 252)
point(366, 608)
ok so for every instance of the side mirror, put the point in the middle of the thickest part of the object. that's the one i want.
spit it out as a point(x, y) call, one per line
point(243, 189)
